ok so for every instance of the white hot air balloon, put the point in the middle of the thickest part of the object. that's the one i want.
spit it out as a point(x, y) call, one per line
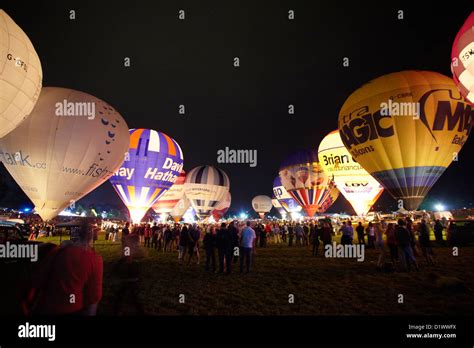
point(20, 75)
point(180, 209)
point(205, 186)
point(353, 181)
point(61, 152)
point(262, 205)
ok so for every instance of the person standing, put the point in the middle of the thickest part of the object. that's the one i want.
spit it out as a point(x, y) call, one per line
point(360, 233)
point(247, 244)
point(70, 269)
point(224, 249)
point(193, 247)
point(404, 244)
point(370, 231)
point(392, 242)
point(147, 235)
point(290, 234)
point(438, 232)
point(154, 236)
point(326, 234)
point(425, 244)
point(125, 233)
point(379, 244)
point(209, 243)
point(234, 234)
point(183, 243)
point(315, 232)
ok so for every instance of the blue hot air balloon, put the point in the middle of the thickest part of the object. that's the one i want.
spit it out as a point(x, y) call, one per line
point(152, 165)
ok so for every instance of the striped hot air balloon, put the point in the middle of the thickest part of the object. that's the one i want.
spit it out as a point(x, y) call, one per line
point(305, 180)
point(462, 59)
point(152, 165)
point(330, 197)
point(222, 207)
point(405, 129)
point(165, 204)
point(205, 186)
point(284, 198)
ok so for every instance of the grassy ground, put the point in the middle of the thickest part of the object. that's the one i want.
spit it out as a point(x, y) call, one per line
point(320, 286)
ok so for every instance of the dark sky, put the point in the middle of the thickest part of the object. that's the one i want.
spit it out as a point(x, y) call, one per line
point(190, 62)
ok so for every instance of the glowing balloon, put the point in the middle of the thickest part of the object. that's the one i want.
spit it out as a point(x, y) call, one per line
point(462, 59)
point(354, 182)
point(59, 155)
point(305, 180)
point(222, 207)
point(205, 186)
point(20, 75)
point(284, 198)
point(262, 204)
point(180, 209)
point(154, 163)
point(405, 129)
point(330, 197)
point(276, 204)
point(165, 204)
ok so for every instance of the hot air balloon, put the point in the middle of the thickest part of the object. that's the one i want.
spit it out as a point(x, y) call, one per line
point(222, 207)
point(462, 59)
point(276, 204)
point(165, 204)
point(154, 163)
point(305, 180)
point(405, 129)
point(205, 186)
point(354, 182)
point(20, 75)
point(284, 198)
point(57, 157)
point(329, 198)
point(262, 204)
point(180, 209)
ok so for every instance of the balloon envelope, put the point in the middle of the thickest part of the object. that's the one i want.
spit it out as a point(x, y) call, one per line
point(153, 164)
point(170, 198)
point(262, 204)
point(305, 180)
point(20, 75)
point(276, 204)
point(462, 59)
point(222, 207)
point(58, 158)
point(405, 129)
point(180, 209)
point(353, 181)
point(205, 186)
point(285, 200)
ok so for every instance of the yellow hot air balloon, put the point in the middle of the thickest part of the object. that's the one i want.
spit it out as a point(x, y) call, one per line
point(71, 143)
point(405, 129)
point(359, 188)
point(20, 75)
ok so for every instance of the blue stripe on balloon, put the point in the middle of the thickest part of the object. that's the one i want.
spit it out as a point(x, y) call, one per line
point(410, 177)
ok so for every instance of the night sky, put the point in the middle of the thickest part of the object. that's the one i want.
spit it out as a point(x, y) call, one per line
point(282, 62)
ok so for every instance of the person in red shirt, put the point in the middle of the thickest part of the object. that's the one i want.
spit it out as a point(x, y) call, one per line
point(69, 279)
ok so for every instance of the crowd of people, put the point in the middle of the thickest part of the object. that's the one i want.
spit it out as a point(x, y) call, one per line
point(228, 247)
point(398, 244)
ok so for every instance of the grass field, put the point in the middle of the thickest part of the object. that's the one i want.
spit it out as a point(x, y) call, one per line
point(320, 286)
